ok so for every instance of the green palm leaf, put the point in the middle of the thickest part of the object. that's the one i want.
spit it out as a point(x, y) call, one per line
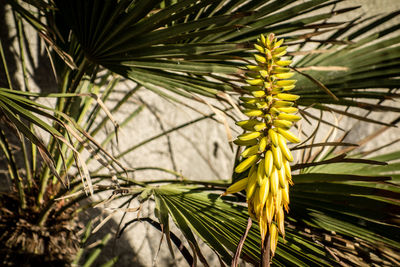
point(181, 46)
point(357, 207)
point(186, 38)
point(221, 223)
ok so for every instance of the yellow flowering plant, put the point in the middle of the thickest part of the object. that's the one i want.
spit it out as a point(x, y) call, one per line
point(270, 108)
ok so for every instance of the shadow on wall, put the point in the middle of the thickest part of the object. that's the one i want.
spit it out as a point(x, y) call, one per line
point(120, 247)
point(40, 71)
point(6, 42)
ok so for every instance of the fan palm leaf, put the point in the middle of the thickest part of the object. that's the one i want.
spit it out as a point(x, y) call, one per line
point(346, 217)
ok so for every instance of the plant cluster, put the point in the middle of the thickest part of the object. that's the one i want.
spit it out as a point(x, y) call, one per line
point(197, 50)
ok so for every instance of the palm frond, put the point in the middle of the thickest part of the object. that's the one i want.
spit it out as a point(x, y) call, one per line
point(190, 39)
point(221, 224)
point(196, 47)
point(344, 213)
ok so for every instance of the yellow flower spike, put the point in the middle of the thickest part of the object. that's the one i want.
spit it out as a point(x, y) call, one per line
point(250, 151)
point(249, 136)
point(245, 164)
point(269, 163)
point(236, 187)
point(267, 154)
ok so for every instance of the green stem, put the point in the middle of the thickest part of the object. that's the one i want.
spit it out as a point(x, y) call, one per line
point(96, 252)
point(13, 170)
point(5, 65)
point(27, 162)
point(33, 156)
point(43, 185)
point(18, 23)
point(46, 173)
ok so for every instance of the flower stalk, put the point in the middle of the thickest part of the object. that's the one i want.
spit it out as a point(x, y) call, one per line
point(266, 157)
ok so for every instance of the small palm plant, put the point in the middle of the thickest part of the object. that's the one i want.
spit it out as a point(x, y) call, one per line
point(199, 50)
